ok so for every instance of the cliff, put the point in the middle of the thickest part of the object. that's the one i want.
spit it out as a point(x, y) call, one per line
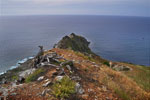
point(69, 72)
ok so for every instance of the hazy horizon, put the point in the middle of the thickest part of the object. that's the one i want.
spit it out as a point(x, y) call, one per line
point(72, 15)
point(76, 7)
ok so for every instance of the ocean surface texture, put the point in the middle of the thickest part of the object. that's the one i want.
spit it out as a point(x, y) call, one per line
point(112, 37)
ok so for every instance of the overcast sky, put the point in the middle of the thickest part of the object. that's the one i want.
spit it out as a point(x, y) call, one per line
point(75, 7)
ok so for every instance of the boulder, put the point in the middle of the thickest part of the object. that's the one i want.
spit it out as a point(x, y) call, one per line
point(121, 68)
point(40, 78)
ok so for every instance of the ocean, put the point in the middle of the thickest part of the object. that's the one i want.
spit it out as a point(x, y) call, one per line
point(116, 38)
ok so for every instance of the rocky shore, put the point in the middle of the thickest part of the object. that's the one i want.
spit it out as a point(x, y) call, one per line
point(70, 71)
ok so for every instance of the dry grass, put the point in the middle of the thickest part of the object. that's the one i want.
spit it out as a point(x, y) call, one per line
point(140, 74)
point(122, 83)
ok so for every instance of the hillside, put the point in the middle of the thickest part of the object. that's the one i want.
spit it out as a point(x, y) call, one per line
point(71, 71)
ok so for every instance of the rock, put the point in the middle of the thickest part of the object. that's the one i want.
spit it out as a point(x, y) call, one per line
point(59, 78)
point(47, 84)
point(4, 81)
point(46, 80)
point(52, 55)
point(57, 69)
point(44, 93)
point(76, 78)
point(70, 63)
point(90, 90)
point(79, 89)
point(61, 73)
point(21, 80)
point(40, 78)
point(68, 67)
point(121, 68)
point(26, 72)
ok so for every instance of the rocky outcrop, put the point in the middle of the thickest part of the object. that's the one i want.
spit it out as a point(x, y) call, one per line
point(74, 42)
point(119, 67)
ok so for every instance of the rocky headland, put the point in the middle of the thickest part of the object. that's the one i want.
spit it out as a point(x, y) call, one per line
point(71, 71)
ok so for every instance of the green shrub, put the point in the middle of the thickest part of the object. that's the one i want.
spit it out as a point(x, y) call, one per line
point(15, 77)
point(34, 75)
point(106, 63)
point(63, 88)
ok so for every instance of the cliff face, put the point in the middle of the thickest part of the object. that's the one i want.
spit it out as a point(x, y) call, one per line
point(64, 74)
point(74, 42)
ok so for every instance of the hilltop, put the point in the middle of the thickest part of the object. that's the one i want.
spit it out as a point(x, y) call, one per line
point(71, 71)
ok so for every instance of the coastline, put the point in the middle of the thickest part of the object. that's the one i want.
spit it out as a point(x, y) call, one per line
point(18, 63)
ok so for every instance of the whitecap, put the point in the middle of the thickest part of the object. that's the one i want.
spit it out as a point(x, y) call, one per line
point(17, 64)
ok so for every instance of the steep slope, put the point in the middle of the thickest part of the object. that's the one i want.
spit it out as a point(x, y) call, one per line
point(71, 72)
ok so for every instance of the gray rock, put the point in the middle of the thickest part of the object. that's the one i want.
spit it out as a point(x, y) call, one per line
point(76, 78)
point(21, 79)
point(66, 63)
point(44, 93)
point(68, 67)
point(47, 84)
point(4, 81)
point(121, 68)
point(59, 78)
point(79, 89)
point(90, 90)
point(26, 72)
point(61, 73)
point(40, 78)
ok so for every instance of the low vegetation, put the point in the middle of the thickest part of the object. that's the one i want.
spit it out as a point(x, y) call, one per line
point(140, 74)
point(122, 94)
point(106, 63)
point(15, 77)
point(34, 75)
point(63, 88)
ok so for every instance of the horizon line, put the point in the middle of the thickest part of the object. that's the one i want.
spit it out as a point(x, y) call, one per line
point(71, 15)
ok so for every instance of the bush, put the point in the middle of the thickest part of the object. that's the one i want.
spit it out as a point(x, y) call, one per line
point(15, 77)
point(34, 75)
point(64, 88)
point(106, 63)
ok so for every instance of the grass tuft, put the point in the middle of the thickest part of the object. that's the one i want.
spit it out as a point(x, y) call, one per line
point(34, 75)
point(64, 88)
point(122, 94)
